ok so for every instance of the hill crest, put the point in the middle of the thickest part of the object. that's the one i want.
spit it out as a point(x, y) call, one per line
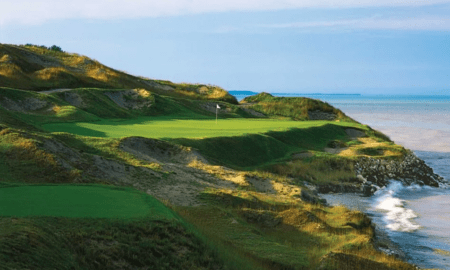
point(37, 68)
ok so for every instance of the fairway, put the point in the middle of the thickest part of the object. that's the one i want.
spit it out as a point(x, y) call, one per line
point(79, 201)
point(164, 127)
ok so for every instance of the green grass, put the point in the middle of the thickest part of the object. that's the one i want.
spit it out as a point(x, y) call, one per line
point(78, 201)
point(236, 142)
point(250, 241)
point(297, 242)
point(62, 226)
point(293, 107)
point(23, 72)
point(168, 127)
point(318, 169)
point(255, 150)
point(83, 243)
point(99, 227)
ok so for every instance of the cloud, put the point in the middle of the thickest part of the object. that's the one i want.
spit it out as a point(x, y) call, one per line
point(424, 23)
point(38, 11)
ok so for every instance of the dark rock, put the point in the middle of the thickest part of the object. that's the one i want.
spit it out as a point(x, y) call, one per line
point(338, 188)
point(372, 174)
point(368, 189)
point(409, 170)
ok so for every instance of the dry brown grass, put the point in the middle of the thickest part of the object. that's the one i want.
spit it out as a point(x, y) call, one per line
point(11, 70)
point(367, 143)
point(220, 172)
point(312, 230)
point(36, 68)
point(29, 163)
point(102, 74)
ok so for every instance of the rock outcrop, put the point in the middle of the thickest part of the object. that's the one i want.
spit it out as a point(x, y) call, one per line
point(410, 170)
point(373, 173)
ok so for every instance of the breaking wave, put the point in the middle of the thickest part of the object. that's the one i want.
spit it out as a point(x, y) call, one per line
point(397, 217)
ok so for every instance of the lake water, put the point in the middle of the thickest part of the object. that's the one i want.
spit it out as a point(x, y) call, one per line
point(416, 218)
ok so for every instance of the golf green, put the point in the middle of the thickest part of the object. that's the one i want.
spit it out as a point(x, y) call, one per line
point(162, 127)
point(79, 201)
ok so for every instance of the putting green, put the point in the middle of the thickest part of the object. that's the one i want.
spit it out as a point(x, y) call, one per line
point(163, 127)
point(79, 201)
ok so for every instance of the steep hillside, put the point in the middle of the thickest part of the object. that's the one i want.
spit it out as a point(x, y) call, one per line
point(297, 108)
point(242, 199)
point(239, 192)
point(39, 68)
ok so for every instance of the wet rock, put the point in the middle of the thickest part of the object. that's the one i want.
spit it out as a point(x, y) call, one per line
point(410, 170)
point(310, 196)
point(368, 189)
point(338, 188)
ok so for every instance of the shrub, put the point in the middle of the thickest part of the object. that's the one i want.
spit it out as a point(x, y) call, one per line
point(55, 48)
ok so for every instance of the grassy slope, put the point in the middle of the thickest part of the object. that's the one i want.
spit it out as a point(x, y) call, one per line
point(36, 68)
point(64, 243)
point(303, 235)
point(255, 150)
point(293, 107)
point(99, 227)
point(233, 221)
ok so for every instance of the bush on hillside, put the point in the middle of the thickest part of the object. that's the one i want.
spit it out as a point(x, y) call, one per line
point(53, 48)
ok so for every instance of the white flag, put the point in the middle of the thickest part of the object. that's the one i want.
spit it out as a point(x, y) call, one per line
point(218, 106)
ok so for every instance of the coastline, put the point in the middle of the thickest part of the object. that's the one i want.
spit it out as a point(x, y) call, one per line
point(402, 242)
point(422, 126)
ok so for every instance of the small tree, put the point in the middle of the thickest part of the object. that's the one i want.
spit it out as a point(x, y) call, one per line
point(55, 48)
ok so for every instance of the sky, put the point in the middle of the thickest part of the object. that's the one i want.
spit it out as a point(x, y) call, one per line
point(310, 46)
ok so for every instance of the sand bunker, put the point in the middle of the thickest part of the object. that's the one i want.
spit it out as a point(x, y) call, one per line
point(134, 99)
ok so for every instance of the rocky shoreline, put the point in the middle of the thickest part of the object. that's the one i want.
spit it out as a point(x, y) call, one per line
point(375, 173)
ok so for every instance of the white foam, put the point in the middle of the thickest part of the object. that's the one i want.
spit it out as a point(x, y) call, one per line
point(397, 217)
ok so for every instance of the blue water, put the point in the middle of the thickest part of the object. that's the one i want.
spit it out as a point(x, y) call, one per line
point(416, 218)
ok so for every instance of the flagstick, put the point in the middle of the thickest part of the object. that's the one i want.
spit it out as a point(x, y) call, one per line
point(216, 115)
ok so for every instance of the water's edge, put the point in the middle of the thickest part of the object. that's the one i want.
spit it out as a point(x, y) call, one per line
point(410, 221)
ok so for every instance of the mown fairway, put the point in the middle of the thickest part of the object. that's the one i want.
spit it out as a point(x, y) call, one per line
point(79, 201)
point(164, 127)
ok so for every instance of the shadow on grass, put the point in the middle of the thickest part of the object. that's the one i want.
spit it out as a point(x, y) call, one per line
point(67, 243)
point(80, 144)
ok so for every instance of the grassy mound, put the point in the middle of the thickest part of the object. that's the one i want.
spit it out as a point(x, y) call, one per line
point(98, 227)
point(27, 108)
point(39, 68)
point(68, 243)
point(283, 233)
point(256, 150)
point(297, 108)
